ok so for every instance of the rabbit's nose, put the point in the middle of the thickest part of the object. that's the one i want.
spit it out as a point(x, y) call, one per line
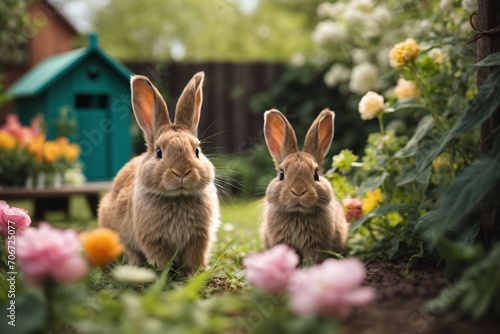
point(181, 174)
point(298, 192)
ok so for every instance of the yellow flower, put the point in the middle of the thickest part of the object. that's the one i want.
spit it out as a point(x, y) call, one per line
point(51, 151)
point(7, 141)
point(70, 152)
point(406, 89)
point(371, 200)
point(404, 52)
point(370, 105)
point(102, 245)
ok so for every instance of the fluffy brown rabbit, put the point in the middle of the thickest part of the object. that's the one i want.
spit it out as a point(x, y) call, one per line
point(300, 207)
point(165, 200)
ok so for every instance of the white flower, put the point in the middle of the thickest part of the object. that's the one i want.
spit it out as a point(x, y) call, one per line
point(435, 53)
point(370, 105)
point(470, 6)
point(133, 274)
point(382, 58)
point(354, 16)
point(365, 5)
point(336, 10)
point(74, 176)
point(446, 5)
point(298, 59)
point(372, 27)
point(363, 77)
point(359, 56)
point(336, 74)
point(328, 31)
point(381, 15)
point(425, 27)
point(323, 9)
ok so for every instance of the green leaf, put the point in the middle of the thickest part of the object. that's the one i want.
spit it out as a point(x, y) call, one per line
point(492, 59)
point(30, 315)
point(372, 183)
point(424, 126)
point(482, 107)
point(380, 211)
point(416, 257)
point(467, 190)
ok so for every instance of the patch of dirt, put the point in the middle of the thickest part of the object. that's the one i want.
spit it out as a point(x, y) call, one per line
point(397, 308)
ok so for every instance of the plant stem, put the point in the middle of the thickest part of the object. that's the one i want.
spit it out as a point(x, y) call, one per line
point(427, 97)
point(380, 117)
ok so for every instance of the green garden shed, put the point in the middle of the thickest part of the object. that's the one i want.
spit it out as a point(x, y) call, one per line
point(95, 88)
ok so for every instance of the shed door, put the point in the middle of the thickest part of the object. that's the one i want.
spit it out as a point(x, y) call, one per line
point(94, 130)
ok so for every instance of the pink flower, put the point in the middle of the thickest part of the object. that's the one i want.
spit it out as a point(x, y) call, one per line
point(353, 208)
point(330, 289)
point(47, 252)
point(18, 218)
point(270, 270)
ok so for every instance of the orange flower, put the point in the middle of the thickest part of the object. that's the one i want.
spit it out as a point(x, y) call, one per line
point(70, 152)
point(35, 147)
point(7, 141)
point(51, 151)
point(62, 141)
point(102, 245)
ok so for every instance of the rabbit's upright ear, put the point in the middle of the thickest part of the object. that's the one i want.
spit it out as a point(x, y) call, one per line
point(149, 108)
point(319, 136)
point(188, 108)
point(280, 137)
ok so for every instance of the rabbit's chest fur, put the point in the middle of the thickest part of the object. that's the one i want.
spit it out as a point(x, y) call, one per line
point(172, 222)
point(305, 232)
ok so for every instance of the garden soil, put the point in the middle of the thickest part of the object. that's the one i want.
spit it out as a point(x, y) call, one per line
point(397, 308)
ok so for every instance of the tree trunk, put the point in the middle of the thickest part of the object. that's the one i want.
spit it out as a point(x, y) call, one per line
point(488, 17)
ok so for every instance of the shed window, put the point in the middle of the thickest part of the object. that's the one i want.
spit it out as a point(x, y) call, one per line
point(91, 101)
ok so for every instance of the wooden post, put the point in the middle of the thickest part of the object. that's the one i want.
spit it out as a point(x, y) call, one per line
point(488, 17)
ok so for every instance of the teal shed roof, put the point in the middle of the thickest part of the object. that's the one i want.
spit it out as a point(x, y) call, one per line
point(51, 69)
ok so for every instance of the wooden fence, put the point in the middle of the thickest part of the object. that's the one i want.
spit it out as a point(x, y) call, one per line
point(227, 122)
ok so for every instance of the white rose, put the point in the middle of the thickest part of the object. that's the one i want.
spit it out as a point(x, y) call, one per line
point(370, 105)
point(435, 53)
point(381, 15)
point(328, 31)
point(354, 16)
point(336, 74)
point(323, 9)
point(363, 77)
point(425, 27)
point(298, 59)
point(470, 6)
point(336, 10)
point(445, 5)
point(359, 56)
point(365, 5)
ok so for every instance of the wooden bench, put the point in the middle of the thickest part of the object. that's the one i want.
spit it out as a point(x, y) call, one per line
point(50, 198)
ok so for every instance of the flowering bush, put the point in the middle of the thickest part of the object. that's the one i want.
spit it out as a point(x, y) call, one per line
point(24, 151)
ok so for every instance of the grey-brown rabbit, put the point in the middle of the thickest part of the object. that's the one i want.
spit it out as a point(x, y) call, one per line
point(301, 209)
point(165, 200)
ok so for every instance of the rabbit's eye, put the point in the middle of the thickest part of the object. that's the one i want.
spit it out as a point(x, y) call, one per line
point(159, 153)
point(282, 175)
point(316, 176)
point(197, 152)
